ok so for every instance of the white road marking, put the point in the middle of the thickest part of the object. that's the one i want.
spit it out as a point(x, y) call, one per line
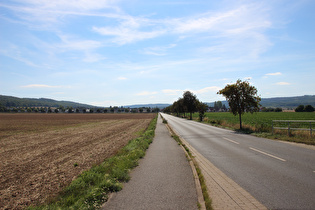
point(267, 154)
point(231, 140)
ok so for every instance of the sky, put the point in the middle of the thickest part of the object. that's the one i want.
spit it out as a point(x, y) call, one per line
point(125, 52)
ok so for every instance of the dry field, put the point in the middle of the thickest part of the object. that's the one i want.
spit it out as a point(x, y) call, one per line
point(42, 153)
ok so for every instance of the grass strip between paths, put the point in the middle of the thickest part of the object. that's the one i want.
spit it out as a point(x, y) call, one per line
point(206, 197)
point(91, 189)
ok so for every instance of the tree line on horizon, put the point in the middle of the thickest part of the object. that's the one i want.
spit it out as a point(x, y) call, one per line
point(62, 109)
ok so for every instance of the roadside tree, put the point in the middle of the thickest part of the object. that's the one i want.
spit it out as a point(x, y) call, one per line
point(202, 108)
point(190, 102)
point(242, 97)
point(309, 108)
point(300, 108)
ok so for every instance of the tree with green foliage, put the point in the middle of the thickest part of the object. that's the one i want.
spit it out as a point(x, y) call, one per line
point(178, 106)
point(242, 97)
point(202, 108)
point(309, 108)
point(300, 108)
point(217, 105)
point(190, 102)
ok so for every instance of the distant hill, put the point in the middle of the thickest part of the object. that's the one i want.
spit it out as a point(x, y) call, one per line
point(10, 101)
point(283, 102)
point(288, 102)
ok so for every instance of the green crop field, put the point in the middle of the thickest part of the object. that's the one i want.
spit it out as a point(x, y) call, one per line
point(261, 122)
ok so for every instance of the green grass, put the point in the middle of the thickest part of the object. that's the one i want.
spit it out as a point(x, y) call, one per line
point(91, 189)
point(261, 124)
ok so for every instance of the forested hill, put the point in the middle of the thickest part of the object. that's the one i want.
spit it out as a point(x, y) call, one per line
point(283, 102)
point(10, 101)
point(288, 102)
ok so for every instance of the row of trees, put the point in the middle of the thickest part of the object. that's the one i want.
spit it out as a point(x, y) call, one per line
point(241, 96)
point(62, 109)
point(188, 103)
point(307, 108)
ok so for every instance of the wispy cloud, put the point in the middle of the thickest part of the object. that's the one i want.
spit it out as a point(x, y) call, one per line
point(52, 12)
point(158, 51)
point(283, 83)
point(40, 86)
point(274, 74)
point(207, 89)
point(130, 30)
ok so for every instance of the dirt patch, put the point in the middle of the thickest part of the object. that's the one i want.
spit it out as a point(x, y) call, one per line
point(42, 153)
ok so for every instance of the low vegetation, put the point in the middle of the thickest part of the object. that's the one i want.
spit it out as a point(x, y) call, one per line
point(260, 124)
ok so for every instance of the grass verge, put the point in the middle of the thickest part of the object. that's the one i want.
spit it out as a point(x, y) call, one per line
point(207, 199)
point(91, 189)
point(260, 124)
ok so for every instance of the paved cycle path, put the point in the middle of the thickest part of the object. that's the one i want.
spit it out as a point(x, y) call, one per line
point(163, 179)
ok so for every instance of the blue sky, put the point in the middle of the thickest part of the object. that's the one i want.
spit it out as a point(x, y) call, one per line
point(119, 52)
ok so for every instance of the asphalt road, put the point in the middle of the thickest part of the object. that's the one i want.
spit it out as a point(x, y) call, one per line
point(278, 174)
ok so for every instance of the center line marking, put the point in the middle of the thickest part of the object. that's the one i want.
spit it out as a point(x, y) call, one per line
point(231, 140)
point(267, 154)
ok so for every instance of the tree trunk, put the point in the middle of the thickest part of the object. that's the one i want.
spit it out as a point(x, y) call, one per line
point(190, 115)
point(240, 121)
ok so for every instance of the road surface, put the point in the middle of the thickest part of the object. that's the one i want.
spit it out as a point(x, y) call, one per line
point(278, 174)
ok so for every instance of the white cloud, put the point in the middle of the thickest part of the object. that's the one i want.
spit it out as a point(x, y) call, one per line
point(40, 86)
point(47, 11)
point(274, 74)
point(130, 31)
point(93, 57)
point(207, 89)
point(72, 43)
point(283, 83)
point(158, 51)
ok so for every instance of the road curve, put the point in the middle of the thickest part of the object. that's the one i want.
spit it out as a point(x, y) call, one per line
point(278, 174)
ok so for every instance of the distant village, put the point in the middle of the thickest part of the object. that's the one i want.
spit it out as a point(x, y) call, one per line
point(62, 109)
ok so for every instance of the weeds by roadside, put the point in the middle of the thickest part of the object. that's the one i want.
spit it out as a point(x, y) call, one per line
point(91, 189)
point(259, 124)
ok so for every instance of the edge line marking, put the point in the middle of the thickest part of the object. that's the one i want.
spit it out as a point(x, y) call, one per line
point(267, 154)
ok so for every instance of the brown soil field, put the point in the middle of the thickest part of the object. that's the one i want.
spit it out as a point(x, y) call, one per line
point(42, 153)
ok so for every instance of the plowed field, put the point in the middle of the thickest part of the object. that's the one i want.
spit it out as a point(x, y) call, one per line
point(42, 153)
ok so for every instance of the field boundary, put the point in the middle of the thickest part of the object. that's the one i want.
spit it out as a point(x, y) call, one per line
point(292, 128)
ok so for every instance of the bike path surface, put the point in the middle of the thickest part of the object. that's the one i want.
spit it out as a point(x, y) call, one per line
point(163, 179)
